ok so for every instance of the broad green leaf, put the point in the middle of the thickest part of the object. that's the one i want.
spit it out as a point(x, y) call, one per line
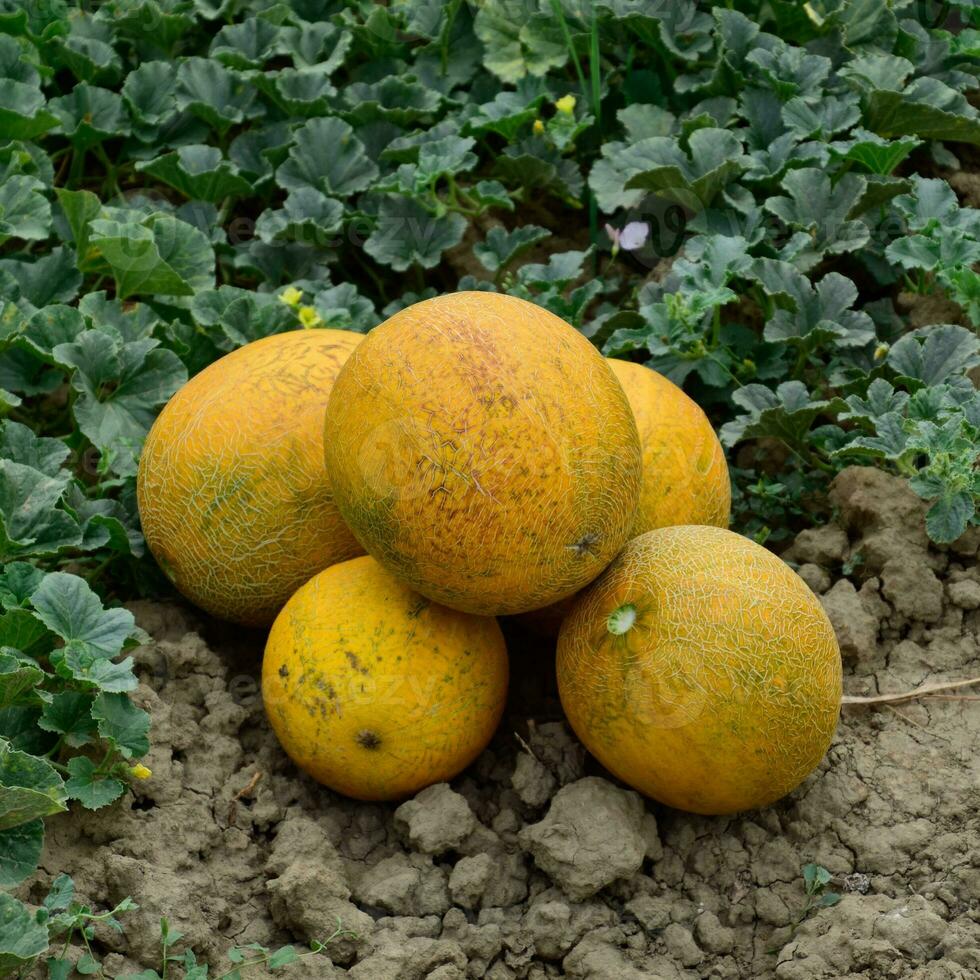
point(123, 724)
point(491, 194)
point(344, 308)
point(71, 610)
point(69, 714)
point(785, 414)
point(880, 399)
point(301, 91)
point(949, 516)
point(24, 213)
point(79, 207)
point(501, 247)
point(560, 269)
point(644, 121)
point(449, 155)
point(198, 172)
point(328, 157)
point(30, 521)
point(22, 937)
point(820, 119)
point(90, 115)
point(20, 851)
point(317, 44)
point(121, 386)
point(31, 788)
point(407, 234)
point(508, 112)
point(19, 630)
point(17, 678)
point(150, 91)
point(51, 278)
point(218, 95)
point(87, 50)
point(873, 153)
point(23, 114)
point(248, 44)
point(93, 791)
point(19, 444)
point(307, 215)
point(61, 894)
point(927, 108)
point(944, 249)
point(518, 41)
point(398, 100)
point(932, 355)
point(18, 580)
point(823, 313)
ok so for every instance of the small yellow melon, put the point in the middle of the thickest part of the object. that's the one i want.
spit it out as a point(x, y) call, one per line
point(701, 670)
point(376, 691)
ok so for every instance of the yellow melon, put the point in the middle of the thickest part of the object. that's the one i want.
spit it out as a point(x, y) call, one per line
point(685, 476)
point(484, 451)
point(233, 499)
point(376, 691)
point(701, 670)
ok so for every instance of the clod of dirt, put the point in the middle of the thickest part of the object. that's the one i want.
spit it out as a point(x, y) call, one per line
point(855, 626)
point(591, 836)
point(436, 820)
point(964, 594)
point(554, 745)
point(404, 884)
point(824, 546)
point(532, 781)
point(817, 578)
point(712, 935)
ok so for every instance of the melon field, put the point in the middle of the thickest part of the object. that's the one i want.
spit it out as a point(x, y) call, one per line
point(490, 489)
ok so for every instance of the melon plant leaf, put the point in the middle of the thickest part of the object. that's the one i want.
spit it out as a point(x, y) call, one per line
point(121, 386)
point(72, 611)
point(713, 158)
point(328, 157)
point(397, 100)
point(18, 580)
point(501, 246)
point(24, 213)
point(880, 399)
point(30, 522)
point(122, 724)
point(449, 155)
point(785, 414)
point(31, 787)
point(17, 678)
point(20, 631)
point(23, 113)
point(69, 714)
point(343, 307)
point(218, 95)
point(932, 355)
point(20, 850)
point(307, 215)
point(944, 249)
point(407, 234)
point(874, 153)
point(92, 790)
point(79, 209)
point(818, 208)
point(51, 278)
point(90, 115)
point(950, 515)
point(515, 44)
point(320, 44)
point(823, 313)
point(19, 444)
point(301, 91)
point(508, 111)
point(889, 441)
point(248, 44)
point(199, 172)
point(927, 108)
point(22, 937)
point(806, 119)
point(150, 92)
point(88, 57)
point(560, 269)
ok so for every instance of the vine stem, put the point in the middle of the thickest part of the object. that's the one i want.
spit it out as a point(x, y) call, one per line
point(922, 691)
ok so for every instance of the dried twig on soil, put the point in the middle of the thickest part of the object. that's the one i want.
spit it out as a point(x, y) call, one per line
point(922, 691)
point(246, 792)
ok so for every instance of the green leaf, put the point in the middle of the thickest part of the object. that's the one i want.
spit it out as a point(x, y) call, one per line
point(449, 155)
point(79, 208)
point(328, 157)
point(60, 895)
point(71, 610)
point(822, 313)
point(24, 213)
point(318, 43)
point(491, 194)
point(199, 172)
point(30, 523)
point(927, 108)
point(216, 94)
point(121, 387)
point(407, 234)
point(17, 678)
point(344, 308)
point(19, 444)
point(944, 249)
point(516, 44)
point(31, 788)
point(150, 92)
point(52, 278)
point(949, 516)
point(23, 115)
point(932, 355)
point(501, 247)
point(123, 724)
point(69, 714)
point(20, 850)
point(90, 115)
point(560, 269)
point(249, 44)
point(91, 790)
point(873, 153)
point(18, 580)
point(308, 215)
point(785, 414)
point(21, 631)
point(508, 112)
point(22, 937)
point(401, 101)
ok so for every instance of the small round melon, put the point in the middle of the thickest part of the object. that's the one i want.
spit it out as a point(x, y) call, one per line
point(685, 476)
point(233, 498)
point(701, 670)
point(376, 691)
point(483, 450)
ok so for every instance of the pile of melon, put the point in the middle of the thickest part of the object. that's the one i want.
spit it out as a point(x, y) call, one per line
point(379, 500)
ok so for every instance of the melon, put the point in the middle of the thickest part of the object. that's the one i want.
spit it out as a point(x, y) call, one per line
point(483, 451)
point(701, 670)
point(232, 494)
point(685, 476)
point(376, 691)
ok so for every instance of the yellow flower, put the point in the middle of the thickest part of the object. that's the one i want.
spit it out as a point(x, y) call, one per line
point(538, 127)
point(139, 771)
point(880, 351)
point(309, 317)
point(291, 296)
point(566, 104)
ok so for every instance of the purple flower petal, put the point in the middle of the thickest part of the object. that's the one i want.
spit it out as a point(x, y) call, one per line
point(634, 235)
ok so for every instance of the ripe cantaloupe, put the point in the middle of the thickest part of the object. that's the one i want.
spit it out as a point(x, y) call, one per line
point(685, 476)
point(376, 691)
point(484, 451)
point(233, 499)
point(701, 670)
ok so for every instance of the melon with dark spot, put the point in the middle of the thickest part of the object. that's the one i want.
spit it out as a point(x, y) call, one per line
point(377, 692)
point(701, 670)
point(232, 495)
point(483, 450)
